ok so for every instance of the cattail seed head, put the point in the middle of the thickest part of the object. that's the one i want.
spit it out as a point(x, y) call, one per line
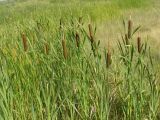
point(130, 25)
point(108, 57)
point(139, 44)
point(60, 24)
point(77, 40)
point(64, 48)
point(46, 48)
point(91, 35)
point(24, 41)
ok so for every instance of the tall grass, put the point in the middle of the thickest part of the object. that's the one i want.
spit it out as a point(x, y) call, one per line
point(53, 67)
point(87, 84)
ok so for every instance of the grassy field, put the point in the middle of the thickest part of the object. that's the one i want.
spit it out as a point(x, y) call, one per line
point(79, 60)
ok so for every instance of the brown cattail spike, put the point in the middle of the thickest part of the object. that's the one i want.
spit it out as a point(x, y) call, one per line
point(108, 57)
point(24, 41)
point(60, 24)
point(139, 44)
point(91, 33)
point(46, 48)
point(64, 48)
point(130, 25)
point(77, 40)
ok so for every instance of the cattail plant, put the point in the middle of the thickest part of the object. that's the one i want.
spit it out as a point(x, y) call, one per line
point(24, 41)
point(139, 44)
point(64, 47)
point(108, 56)
point(46, 48)
point(130, 25)
point(77, 40)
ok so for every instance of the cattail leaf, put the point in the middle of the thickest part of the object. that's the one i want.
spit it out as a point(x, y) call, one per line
point(135, 30)
point(120, 48)
point(142, 46)
point(64, 46)
point(145, 48)
point(123, 39)
point(86, 34)
point(138, 63)
point(91, 33)
point(95, 29)
point(124, 25)
point(150, 57)
point(98, 42)
point(100, 56)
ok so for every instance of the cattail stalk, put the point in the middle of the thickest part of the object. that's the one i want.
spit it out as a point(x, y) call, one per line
point(139, 44)
point(126, 39)
point(130, 25)
point(77, 40)
point(64, 48)
point(24, 41)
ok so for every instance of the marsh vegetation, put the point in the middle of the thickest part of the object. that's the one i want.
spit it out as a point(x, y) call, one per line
point(79, 60)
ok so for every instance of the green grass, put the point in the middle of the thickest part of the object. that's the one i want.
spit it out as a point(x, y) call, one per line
point(37, 82)
point(97, 10)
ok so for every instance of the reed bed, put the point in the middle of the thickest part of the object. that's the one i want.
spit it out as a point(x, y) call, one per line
point(69, 76)
point(53, 67)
